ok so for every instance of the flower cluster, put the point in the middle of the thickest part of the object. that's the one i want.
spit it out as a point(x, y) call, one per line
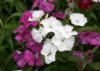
point(44, 34)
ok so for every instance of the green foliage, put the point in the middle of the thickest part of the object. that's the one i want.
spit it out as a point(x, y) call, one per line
point(95, 65)
point(10, 12)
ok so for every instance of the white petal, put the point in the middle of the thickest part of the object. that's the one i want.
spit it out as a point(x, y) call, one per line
point(62, 47)
point(45, 31)
point(78, 19)
point(36, 16)
point(46, 50)
point(67, 44)
point(70, 43)
point(57, 40)
point(50, 22)
point(37, 35)
point(68, 28)
point(49, 59)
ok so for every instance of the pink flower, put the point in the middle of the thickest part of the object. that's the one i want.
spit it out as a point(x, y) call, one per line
point(21, 63)
point(91, 38)
point(51, 1)
point(25, 17)
point(19, 38)
point(29, 57)
point(34, 23)
point(34, 46)
point(23, 36)
point(35, 3)
point(16, 55)
point(38, 61)
point(78, 54)
point(59, 15)
point(90, 55)
point(20, 29)
point(46, 6)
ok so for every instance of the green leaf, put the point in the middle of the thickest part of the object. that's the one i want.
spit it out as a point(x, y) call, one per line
point(73, 59)
point(95, 49)
point(13, 15)
point(95, 65)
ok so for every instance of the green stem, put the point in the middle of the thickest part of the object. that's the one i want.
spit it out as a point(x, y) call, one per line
point(95, 49)
point(13, 15)
point(1, 23)
point(30, 68)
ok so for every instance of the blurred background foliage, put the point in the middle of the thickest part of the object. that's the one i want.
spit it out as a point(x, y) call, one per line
point(11, 11)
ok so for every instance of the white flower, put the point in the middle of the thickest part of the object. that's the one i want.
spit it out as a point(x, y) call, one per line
point(65, 44)
point(65, 31)
point(78, 19)
point(70, 43)
point(49, 24)
point(50, 58)
point(49, 51)
point(69, 31)
point(36, 15)
point(57, 39)
point(96, 0)
point(36, 34)
point(51, 46)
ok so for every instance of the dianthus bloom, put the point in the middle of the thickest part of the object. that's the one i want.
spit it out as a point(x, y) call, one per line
point(87, 55)
point(31, 55)
point(27, 58)
point(58, 42)
point(78, 54)
point(22, 34)
point(91, 38)
point(78, 19)
point(31, 18)
point(59, 15)
point(44, 5)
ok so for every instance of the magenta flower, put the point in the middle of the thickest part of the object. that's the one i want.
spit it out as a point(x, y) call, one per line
point(19, 38)
point(16, 55)
point(34, 46)
point(38, 61)
point(78, 54)
point(27, 58)
point(90, 55)
point(51, 1)
point(35, 3)
point(59, 15)
point(20, 29)
point(91, 38)
point(34, 23)
point(46, 6)
point(23, 36)
point(21, 63)
point(25, 17)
